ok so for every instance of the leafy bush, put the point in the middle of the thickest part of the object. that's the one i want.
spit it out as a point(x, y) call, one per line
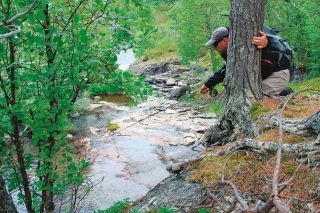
point(123, 82)
point(117, 207)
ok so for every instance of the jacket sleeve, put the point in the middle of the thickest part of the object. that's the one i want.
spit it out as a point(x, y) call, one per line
point(216, 78)
point(268, 66)
point(272, 62)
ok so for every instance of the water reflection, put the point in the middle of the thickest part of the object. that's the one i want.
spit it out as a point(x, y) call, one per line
point(118, 99)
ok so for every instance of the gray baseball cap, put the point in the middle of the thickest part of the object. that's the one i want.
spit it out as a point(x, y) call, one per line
point(217, 35)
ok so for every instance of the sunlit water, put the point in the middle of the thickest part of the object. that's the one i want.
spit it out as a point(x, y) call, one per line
point(125, 59)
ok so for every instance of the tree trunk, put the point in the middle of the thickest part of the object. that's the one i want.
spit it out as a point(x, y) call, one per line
point(243, 76)
point(6, 203)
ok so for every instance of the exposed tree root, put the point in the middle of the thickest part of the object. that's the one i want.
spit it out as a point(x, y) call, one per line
point(263, 148)
point(303, 127)
point(234, 121)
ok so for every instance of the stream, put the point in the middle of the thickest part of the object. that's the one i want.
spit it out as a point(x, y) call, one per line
point(129, 162)
point(132, 160)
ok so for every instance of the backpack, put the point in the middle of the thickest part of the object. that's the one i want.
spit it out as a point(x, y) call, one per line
point(278, 44)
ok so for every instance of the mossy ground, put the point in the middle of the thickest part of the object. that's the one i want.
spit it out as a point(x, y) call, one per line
point(249, 171)
point(113, 127)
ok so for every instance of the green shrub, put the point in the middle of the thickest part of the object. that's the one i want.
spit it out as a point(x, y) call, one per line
point(117, 207)
point(308, 87)
point(123, 82)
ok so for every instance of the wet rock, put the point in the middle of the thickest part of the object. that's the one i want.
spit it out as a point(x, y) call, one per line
point(163, 75)
point(181, 83)
point(69, 137)
point(149, 69)
point(174, 192)
point(175, 61)
point(178, 70)
point(171, 82)
point(150, 80)
point(94, 106)
point(170, 111)
point(166, 124)
point(97, 98)
point(189, 141)
point(174, 168)
point(93, 130)
point(179, 92)
point(160, 80)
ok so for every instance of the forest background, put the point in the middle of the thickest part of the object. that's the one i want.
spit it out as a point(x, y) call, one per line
point(52, 52)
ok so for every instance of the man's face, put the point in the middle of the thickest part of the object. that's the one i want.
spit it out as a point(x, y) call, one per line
point(222, 47)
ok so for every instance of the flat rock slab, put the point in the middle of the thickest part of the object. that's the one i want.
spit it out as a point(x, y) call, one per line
point(174, 192)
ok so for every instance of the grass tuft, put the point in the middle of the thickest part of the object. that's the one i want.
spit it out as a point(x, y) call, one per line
point(257, 110)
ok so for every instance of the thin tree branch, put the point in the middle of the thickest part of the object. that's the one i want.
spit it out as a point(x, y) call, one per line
point(225, 210)
point(236, 194)
point(19, 15)
point(280, 205)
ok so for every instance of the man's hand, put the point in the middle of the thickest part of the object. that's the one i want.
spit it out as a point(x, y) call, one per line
point(204, 89)
point(260, 41)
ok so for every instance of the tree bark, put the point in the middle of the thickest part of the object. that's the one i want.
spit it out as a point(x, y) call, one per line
point(6, 203)
point(243, 76)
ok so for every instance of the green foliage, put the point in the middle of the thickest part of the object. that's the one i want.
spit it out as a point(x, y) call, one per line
point(298, 22)
point(204, 211)
point(112, 127)
point(195, 21)
point(123, 82)
point(82, 103)
point(165, 49)
point(161, 43)
point(215, 107)
point(117, 207)
point(308, 87)
point(62, 48)
point(103, 89)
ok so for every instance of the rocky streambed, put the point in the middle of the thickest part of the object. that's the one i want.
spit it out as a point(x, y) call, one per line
point(173, 80)
point(131, 161)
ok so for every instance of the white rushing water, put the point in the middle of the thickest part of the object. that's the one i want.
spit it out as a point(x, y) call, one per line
point(125, 59)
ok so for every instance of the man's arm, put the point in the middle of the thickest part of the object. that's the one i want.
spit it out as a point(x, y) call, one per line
point(213, 80)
